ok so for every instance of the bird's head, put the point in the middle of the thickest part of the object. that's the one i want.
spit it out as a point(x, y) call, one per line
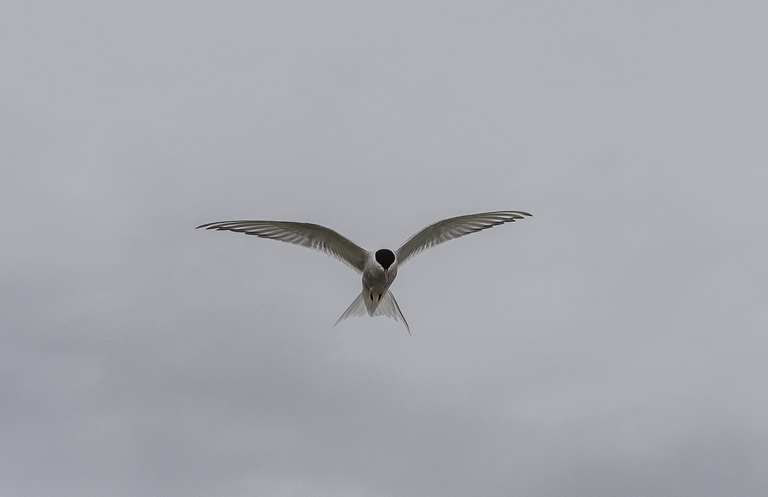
point(385, 258)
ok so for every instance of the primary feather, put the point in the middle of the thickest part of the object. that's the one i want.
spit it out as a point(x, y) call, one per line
point(448, 229)
point(307, 235)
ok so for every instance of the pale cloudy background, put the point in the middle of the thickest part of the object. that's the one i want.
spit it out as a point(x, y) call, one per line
point(612, 345)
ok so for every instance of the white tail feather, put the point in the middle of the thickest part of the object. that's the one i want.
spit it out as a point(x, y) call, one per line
point(386, 307)
point(356, 308)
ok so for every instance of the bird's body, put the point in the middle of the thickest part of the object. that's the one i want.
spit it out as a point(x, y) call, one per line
point(378, 268)
point(379, 272)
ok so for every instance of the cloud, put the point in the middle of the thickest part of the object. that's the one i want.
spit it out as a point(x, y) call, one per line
point(610, 345)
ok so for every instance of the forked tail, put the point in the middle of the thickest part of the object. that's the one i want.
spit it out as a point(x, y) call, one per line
point(386, 307)
point(356, 308)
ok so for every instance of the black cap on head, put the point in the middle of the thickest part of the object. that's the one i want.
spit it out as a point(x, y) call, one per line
point(385, 257)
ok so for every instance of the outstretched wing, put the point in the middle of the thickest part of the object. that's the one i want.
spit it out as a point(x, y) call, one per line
point(448, 229)
point(307, 235)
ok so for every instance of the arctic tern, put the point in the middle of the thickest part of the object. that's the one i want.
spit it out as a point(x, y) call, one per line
point(378, 268)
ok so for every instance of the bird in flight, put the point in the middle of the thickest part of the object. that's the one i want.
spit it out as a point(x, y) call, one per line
point(377, 267)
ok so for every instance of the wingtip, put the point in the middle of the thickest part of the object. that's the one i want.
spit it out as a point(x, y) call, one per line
point(206, 225)
point(518, 214)
point(513, 214)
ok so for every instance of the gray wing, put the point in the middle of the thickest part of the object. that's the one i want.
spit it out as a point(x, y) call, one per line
point(448, 229)
point(307, 235)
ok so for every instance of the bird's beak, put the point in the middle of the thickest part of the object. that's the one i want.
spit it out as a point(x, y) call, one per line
point(386, 276)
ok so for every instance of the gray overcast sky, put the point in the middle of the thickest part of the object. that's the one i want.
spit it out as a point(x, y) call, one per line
point(612, 345)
